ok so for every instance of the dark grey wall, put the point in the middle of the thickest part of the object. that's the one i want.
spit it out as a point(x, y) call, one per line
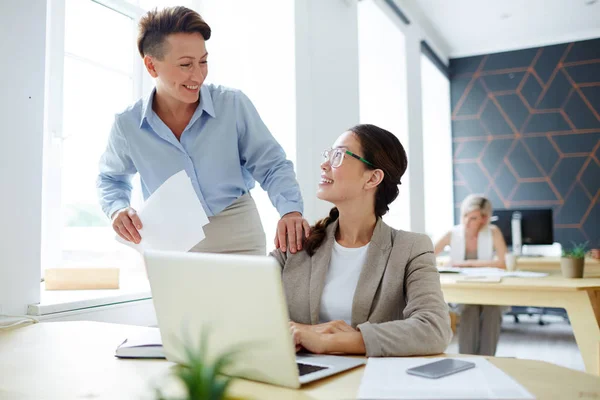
point(526, 133)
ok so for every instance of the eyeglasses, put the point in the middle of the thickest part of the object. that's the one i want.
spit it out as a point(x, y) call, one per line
point(336, 157)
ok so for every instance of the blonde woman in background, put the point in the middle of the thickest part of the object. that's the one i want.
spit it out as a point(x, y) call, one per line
point(473, 244)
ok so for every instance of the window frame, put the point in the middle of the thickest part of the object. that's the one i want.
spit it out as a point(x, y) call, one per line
point(52, 221)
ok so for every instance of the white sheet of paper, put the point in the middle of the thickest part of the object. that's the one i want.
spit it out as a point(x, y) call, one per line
point(497, 272)
point(527, 274)
point(483, 271)
point(386, 378)
point(479, 278)
point(172, 217)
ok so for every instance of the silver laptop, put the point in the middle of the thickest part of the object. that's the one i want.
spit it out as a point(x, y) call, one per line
point(238, 301)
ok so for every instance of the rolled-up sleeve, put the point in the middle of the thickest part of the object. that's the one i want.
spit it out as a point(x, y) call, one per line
point(265, 159)
point(116, 170)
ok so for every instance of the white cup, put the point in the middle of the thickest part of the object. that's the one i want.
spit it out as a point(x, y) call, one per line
point(511, 261)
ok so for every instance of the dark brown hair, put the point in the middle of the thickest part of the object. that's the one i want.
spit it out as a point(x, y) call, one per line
point(385, 152)
point(155, 26)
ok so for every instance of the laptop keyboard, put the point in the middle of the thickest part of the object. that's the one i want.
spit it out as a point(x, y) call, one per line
point(304, 369)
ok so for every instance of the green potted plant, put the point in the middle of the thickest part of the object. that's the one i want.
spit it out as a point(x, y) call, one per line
point(572, 261)
point(201, 378)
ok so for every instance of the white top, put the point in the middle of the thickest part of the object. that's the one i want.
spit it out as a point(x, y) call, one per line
point(342, 277)
point(485, 244)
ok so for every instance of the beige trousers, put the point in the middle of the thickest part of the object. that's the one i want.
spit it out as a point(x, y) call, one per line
point(235, 230)
point(479, 329)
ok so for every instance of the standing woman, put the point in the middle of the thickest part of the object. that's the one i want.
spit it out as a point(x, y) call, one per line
point(473, 244)
point(212, 132)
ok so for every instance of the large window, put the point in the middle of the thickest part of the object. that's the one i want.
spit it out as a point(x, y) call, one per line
point(252, 49)
point(94, 73)
point(382, 86)
point(437, 159)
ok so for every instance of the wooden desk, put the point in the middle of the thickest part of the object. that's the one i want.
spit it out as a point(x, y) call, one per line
point(580, 297)
point(66, 360)
point(552, 264)
point(539, 263)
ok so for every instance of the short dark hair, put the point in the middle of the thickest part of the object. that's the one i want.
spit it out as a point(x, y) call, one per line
point(156, 25)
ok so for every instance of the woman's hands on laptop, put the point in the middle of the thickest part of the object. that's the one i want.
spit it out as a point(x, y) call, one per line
point(329, 337)
point(327, 327)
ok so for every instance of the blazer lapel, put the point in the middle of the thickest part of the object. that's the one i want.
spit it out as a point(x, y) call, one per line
point(372, 272)
point(319, 264)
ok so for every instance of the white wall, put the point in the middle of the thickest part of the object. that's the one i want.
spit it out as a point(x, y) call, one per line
point(22, 116)
point(326, 87)
point(421, 29)
point(416, 163)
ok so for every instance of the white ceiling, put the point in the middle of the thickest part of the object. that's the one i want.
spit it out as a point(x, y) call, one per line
point(472, 27)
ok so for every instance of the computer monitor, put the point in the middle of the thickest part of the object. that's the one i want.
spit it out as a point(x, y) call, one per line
point(536, 225)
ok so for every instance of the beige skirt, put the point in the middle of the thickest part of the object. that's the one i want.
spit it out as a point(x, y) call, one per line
point(235, 230)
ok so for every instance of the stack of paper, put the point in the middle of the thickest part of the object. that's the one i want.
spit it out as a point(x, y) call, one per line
point(386, 378)
point(172, 217)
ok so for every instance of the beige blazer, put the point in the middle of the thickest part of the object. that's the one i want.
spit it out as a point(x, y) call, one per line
point(398, 304)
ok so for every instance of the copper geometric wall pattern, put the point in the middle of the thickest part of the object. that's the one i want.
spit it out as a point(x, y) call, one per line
point(526, 133)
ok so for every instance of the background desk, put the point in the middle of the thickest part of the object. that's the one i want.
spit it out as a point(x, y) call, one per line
point(67, 360)
point(552, 264)
point(580, 297)
point(539, 263)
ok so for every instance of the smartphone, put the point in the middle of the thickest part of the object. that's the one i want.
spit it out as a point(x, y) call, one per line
point(441, 368)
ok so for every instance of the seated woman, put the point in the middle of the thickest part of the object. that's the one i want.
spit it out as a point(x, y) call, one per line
point(472, 244)
point(360, 286)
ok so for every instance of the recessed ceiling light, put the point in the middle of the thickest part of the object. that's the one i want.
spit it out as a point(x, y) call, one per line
point(507, 15)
